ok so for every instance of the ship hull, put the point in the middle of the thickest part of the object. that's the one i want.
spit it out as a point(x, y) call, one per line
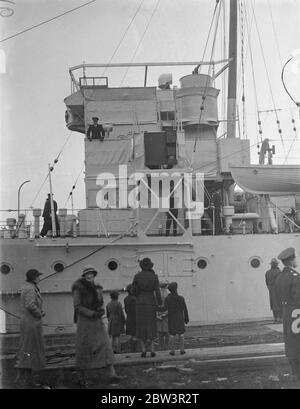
point(221, 277)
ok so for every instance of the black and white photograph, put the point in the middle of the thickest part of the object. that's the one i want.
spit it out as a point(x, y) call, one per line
point(149, 197)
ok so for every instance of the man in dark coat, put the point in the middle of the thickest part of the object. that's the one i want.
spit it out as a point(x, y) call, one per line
point(145, 287)
point(93, 348)
point(95, 131)
point(47, 217)
point(177, 317)
point(288, 286)
point(271, 276)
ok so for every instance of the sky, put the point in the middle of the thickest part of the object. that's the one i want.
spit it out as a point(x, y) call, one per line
point(36, 78)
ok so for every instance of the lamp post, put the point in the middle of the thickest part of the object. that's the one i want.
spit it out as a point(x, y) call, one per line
point(19, 190)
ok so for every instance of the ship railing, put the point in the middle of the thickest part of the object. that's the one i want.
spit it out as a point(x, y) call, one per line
point(82, 68)
point(211, 223)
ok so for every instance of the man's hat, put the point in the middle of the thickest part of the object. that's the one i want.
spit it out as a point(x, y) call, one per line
point(287, 253)
point(89, 269)
point(95, 118)
point(274, 261)
point(32, 274)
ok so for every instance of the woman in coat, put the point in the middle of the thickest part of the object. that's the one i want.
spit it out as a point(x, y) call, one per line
point(93, 348)
point(31, 356)
point(145, 287)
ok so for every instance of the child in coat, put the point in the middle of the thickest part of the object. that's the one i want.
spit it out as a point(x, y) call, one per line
point(162, 319)
point(130, 309)
point(116, 320)
point(177, 317)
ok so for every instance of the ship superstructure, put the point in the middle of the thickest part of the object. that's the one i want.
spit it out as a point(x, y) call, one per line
point(156, 136)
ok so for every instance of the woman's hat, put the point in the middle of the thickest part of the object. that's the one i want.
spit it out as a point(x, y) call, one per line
point(32, 274)
point(146, 264)
point(89, 269)
point(95, 118)
point(274, 261)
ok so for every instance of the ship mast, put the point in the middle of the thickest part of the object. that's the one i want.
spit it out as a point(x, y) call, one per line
point(232, 72)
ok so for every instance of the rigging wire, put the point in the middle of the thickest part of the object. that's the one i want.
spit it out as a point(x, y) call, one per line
point(123, 36)
point(46, 21)
point(243, 67)
point(207, 79)
point(51, 169)
point(254, 82)
point(224, 54)
point(281, 62)
point(268, 78)
point(140, 42)
point(208, 36)
point(74, 184)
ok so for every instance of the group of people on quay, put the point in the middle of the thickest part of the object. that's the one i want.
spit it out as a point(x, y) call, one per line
point(150, 313)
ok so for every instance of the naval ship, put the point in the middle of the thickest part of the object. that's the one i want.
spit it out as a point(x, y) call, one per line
point(157, 137)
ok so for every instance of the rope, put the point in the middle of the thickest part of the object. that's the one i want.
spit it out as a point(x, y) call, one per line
point(268, 78)
point(52, 167)
point(243, 68)
point(123, 36)
point(254, 82)
point(224, 54)
point(140, 42)
point(209, 31)
point(206, 83)
point(74, 185)
point(46, 21)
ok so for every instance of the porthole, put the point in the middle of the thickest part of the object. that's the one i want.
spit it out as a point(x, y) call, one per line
point(112, 265)
point(5, 268)
point(58, 266)
point(255, 262)
point(202, 263)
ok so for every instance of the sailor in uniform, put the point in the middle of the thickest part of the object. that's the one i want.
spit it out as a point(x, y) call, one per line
point(288, 288)
point(96, 130)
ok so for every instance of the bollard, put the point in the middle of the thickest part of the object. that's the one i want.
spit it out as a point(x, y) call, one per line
point(10, 233)
point(36, 214)
point(21, 229)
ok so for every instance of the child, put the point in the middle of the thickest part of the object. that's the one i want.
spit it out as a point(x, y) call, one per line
point(162, 319)
point(177, 317)
point(130, 309)
point(116, 320)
